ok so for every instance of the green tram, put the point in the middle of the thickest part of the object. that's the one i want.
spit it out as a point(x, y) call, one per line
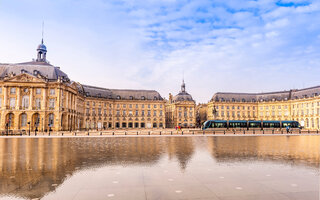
point(248, 125)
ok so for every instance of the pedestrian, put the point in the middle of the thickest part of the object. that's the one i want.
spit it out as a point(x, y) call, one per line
point(288, 129)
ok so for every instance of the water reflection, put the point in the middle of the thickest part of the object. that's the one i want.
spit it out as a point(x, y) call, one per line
point(30, 168)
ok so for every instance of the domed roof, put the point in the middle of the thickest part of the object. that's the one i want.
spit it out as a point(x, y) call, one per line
point(42, 47)
point(182, 95)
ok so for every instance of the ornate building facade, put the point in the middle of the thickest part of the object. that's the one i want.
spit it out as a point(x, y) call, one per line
point(39, 96)
point(300, 105)
point(180, 110)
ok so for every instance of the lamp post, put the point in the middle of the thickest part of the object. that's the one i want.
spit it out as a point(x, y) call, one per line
point(29, 128)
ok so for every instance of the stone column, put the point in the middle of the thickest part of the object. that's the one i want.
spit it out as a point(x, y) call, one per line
point(18, 98)
point(5, 97)
point(44, 100)
point(31, 99)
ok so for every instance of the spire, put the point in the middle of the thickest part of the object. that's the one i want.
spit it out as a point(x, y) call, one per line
point(183, 86)
point(42, 49)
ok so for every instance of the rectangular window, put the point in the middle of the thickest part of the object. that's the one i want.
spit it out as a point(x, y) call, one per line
point(160, 112)
point(0, 102)
point(124, 113)
point(12, 102)
point(38, 91)
point(142, 113)
point(52, 91)
point(12, 90)
point(0, 90)
point(137, 113)
point(130, 112)
point(38, 103)
point(154, 106)
point(51, 103)
point(154, 113)
point(149, 113)
point(161, 106)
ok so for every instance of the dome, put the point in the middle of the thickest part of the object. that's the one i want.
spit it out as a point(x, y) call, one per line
point(42, 47)
point(182, 96)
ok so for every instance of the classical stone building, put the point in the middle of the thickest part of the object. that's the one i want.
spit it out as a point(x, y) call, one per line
point(301, 105)
point(180, 110)
point(39, 96)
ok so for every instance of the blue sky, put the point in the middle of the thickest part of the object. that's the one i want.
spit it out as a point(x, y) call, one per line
point(219, 46)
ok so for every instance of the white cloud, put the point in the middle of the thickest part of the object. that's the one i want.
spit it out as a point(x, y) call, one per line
point(222, 45)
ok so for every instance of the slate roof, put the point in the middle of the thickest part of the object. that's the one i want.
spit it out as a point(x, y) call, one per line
point(182, 96)
point(92, 91)
point(44, 69)
point(270, 96)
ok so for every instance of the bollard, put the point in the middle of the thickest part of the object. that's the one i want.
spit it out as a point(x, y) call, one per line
point(35, 134)
point(300, 131)
point(272, 131)
point(75, 133)
point(88, 132)
point(137, 132)
point(100, 133)
point(317, 131)
point(149, 133)
point(254, 132)
point(281, 131)
point(182, 132)
point(308, 131)
point(192, 132)
point(62, 133)
point(203, 132)
point(49, 133)
point(262, 131)
point(113, 133)
point(234, 132)
point(160, 132)
point(214, 132)
point(125, 133)
point(244, 132)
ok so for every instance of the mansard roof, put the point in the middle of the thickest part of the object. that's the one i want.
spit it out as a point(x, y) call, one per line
point(269, 96)
point(92, 91)
point(44, 69)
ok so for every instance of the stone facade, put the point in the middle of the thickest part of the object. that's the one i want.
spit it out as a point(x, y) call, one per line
point(299, 105)
point(181, 110)
point(39, 96)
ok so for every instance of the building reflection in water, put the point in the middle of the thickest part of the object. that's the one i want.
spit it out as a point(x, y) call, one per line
point(30, 166)
point(286, 149)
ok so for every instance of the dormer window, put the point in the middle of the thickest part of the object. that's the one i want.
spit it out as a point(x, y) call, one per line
point(243, 100)
point(143, 98)
point(99, 95)
point(131, 97)
point(87, 93)
point(233, 100)
point(118, 97)
point(35, 72)
point(155, 98)
point(253, 100)
point(23, 71)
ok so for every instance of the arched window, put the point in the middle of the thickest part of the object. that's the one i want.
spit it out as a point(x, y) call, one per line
point(23, 120)
point(25, 102)
point(51, 119)
point(10, 119)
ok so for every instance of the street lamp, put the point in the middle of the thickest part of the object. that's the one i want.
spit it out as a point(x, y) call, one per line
point(29, 128)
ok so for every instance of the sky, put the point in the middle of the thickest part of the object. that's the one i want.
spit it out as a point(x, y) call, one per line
point(215, 45)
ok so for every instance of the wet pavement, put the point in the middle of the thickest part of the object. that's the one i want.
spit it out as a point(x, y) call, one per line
point(164, 167)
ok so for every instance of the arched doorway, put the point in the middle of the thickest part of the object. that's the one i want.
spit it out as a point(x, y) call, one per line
point(9, 121)
point(64, 122)
point(23, 121)
point(35, 121)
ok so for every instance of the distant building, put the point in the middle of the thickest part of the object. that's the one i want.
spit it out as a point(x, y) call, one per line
point(300, 105)
point(180, 110)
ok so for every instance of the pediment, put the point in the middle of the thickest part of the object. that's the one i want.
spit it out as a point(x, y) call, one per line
point(25, 78)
